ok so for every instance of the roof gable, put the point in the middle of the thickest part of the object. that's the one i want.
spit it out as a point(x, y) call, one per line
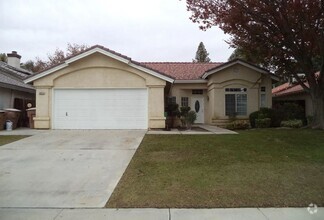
point(234, 62)
point(106, 52)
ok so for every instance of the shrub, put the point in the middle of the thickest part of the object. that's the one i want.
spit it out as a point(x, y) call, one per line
point(172, 110)
point(183, 114)
point(288, 111)
point(238, 125)
point(190, 118)
point(292, 111)
point(261, 114)
point(263, 122)
point(310, 119)
point(292, 123)
point(252, 117)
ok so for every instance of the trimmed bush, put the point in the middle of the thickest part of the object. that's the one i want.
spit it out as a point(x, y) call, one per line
point(183, 114)
point(261, 114)
point(252, 117)
point(310, 119)
point(292, 123)
point(238, 125)
point(263, 123)
point(190, 118)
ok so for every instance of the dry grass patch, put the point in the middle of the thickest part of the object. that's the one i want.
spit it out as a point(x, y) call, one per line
point(6, 139)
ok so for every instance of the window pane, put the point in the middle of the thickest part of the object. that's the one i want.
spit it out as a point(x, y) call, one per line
point(263, 100)
point(172, 100)
point(241, 104)
point(229, 104)
point(184, 101)
point(263, 89)
point(197, 91)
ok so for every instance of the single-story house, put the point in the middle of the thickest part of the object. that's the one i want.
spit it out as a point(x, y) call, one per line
point(14, 93)
point(292, 92)
point(102, 89)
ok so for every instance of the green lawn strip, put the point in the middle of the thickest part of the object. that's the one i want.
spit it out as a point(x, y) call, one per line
point(6, 139)
point(257, 168)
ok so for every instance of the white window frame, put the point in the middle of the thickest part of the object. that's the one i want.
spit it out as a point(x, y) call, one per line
point(234, 91)
point(184, 100)
point(263, 103)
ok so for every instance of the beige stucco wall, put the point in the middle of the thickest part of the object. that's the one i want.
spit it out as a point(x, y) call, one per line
point(237, 76)
point(99, 71)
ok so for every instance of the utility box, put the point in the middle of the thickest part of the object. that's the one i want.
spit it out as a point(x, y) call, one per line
point(31, 112)
point(2, 119)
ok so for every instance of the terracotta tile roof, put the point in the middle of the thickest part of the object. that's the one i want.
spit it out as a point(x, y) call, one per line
point(287, 89)
point(181, 70)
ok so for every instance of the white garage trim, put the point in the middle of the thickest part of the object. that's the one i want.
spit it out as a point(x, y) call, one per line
point(108, 108)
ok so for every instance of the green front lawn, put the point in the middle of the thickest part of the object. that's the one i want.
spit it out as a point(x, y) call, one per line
point(257, 168)
point(6, 139)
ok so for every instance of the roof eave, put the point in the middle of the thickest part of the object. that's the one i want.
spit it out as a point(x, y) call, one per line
point(186, 81)
point(18, 88)
point(104, 52)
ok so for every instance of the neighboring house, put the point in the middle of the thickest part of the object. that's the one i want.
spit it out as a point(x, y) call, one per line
point(14, 93)
point(292, 92)
point(102, 89)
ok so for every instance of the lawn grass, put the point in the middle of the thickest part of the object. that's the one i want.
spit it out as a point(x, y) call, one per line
point(6, 139)
point(257, 168)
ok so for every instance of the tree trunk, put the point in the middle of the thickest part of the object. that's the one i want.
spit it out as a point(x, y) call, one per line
point(318, 109)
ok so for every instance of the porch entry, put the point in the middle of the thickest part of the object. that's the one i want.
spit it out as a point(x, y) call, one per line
point(197, 105)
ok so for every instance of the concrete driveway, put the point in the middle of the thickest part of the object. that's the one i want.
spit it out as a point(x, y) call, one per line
point(65, 168)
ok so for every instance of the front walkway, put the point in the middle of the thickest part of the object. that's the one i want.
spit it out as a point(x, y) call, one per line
point(210, 129)
point(164, 214)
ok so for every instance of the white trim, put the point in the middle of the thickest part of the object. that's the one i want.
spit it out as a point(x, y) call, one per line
point(151, 72)
point(208, 73)
point(45, 73)
point(104, 52)
point(99, 50)
point(190, 81)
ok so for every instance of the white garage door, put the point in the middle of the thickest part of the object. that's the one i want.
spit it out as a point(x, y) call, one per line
point(100, 109)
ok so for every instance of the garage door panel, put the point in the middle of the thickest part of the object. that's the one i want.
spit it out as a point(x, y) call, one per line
point(100, 109)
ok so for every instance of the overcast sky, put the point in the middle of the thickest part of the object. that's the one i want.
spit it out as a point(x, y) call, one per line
point(145, 30)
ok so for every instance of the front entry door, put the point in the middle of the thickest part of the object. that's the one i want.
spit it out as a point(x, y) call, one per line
point(197, 105)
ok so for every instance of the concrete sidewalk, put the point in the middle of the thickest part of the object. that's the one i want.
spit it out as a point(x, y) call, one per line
point(162, 214)
point(210, 129)
point(23, 131)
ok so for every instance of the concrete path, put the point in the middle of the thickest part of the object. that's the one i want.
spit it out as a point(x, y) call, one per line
point(162, 214)
point(23, 131)
point(210, 129)
point(65, 168)
point(217, 130)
